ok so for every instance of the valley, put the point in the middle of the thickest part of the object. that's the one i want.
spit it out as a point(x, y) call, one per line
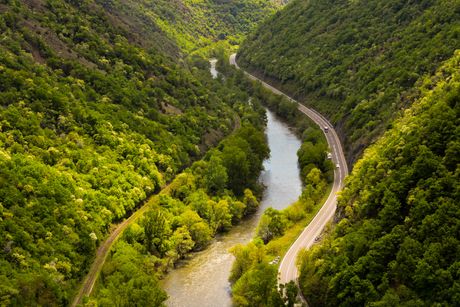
point(229, 153)
point(204, 278)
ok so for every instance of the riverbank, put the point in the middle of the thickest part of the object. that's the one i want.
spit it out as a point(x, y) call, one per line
point(204, 277)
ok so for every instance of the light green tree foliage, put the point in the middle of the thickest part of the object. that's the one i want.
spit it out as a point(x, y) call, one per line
point(134, 233)
point(199, 201)
point(198, 26)
point(221, 219)
point(250, 201)
point(129, 277)
point(254, 279)
point(272, 224)
point(215, 177)
point(257, 287)
point(314, 189)
point(181, 243)
point(237, 209)
point(201, 234)
point(245, 257)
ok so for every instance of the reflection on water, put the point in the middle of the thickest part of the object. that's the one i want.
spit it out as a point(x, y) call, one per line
point(202, 280)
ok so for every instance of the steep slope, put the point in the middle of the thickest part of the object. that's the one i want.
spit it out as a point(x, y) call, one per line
point(94, 117)
point(194, 25)
point(355, 61)
point(397, 242)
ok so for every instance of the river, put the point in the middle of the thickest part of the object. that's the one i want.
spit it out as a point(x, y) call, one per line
point(202, 281)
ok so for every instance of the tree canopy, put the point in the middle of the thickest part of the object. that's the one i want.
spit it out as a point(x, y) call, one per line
point(354, 61)
point(397, 239)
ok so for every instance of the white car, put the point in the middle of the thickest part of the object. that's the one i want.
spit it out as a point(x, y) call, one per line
point(337, 165)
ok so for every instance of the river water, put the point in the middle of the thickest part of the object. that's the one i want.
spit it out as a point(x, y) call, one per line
point(202, 280)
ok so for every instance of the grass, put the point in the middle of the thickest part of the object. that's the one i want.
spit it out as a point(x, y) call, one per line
point(279, 246)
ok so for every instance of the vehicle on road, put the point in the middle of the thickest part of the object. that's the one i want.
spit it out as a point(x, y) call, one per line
point(337, 165)
point(329, 156)
point(275, 261)
point(326, 129)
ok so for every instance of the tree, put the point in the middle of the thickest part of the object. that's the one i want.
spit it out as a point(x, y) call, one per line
point(237, 165)
point(215, 177)
point(157, 231)
point(181, 241)
point(201, 235)
point(257, 287)
point(250, 201)
point(272, 224)
point(220, 217)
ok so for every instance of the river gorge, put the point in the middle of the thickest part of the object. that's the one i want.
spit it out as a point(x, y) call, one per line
point(203, 279)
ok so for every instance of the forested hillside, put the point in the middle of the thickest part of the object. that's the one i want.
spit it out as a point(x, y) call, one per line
point(397, 242)
point(355, 61)
point(94, 118)
point(195, 26)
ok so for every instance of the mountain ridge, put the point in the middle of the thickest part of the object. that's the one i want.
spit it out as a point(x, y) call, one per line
point(354, 61)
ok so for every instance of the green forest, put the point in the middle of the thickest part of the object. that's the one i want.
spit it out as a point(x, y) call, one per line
point(108, 106)
point(387, 74)
point(397, 242)
point(195, 26)
point(354, 61)
point(207, 198)
point(94, 119)
point(253, 275)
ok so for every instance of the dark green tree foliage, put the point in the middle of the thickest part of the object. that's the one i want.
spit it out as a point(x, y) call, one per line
point(355, 61)
point(93, 120)
point(397, 242)
point(194, 25)
point(242, 155)
point(187, 216)
point(156, 231)
point(313, 154)
point(129, 279)
point(272, 224)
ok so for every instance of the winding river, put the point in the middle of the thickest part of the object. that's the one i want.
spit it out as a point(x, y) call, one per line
point(202, 280)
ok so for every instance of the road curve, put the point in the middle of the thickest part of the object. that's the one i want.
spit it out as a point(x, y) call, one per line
point(288, 269)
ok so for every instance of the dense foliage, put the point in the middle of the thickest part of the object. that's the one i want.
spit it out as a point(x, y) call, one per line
point(199, 203)
point(254, 278)
point(93, 120)
point(195, 26)
point(398, 240)
point(355, 61)
point(253, 275)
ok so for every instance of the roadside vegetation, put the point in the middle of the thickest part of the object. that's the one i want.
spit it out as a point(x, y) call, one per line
point(94, 119)
point(387, 74)
point(397, 240)
point(354, 61)
point(254, 271)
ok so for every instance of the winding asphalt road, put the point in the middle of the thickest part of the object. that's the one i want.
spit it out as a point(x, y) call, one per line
point(288, 269)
